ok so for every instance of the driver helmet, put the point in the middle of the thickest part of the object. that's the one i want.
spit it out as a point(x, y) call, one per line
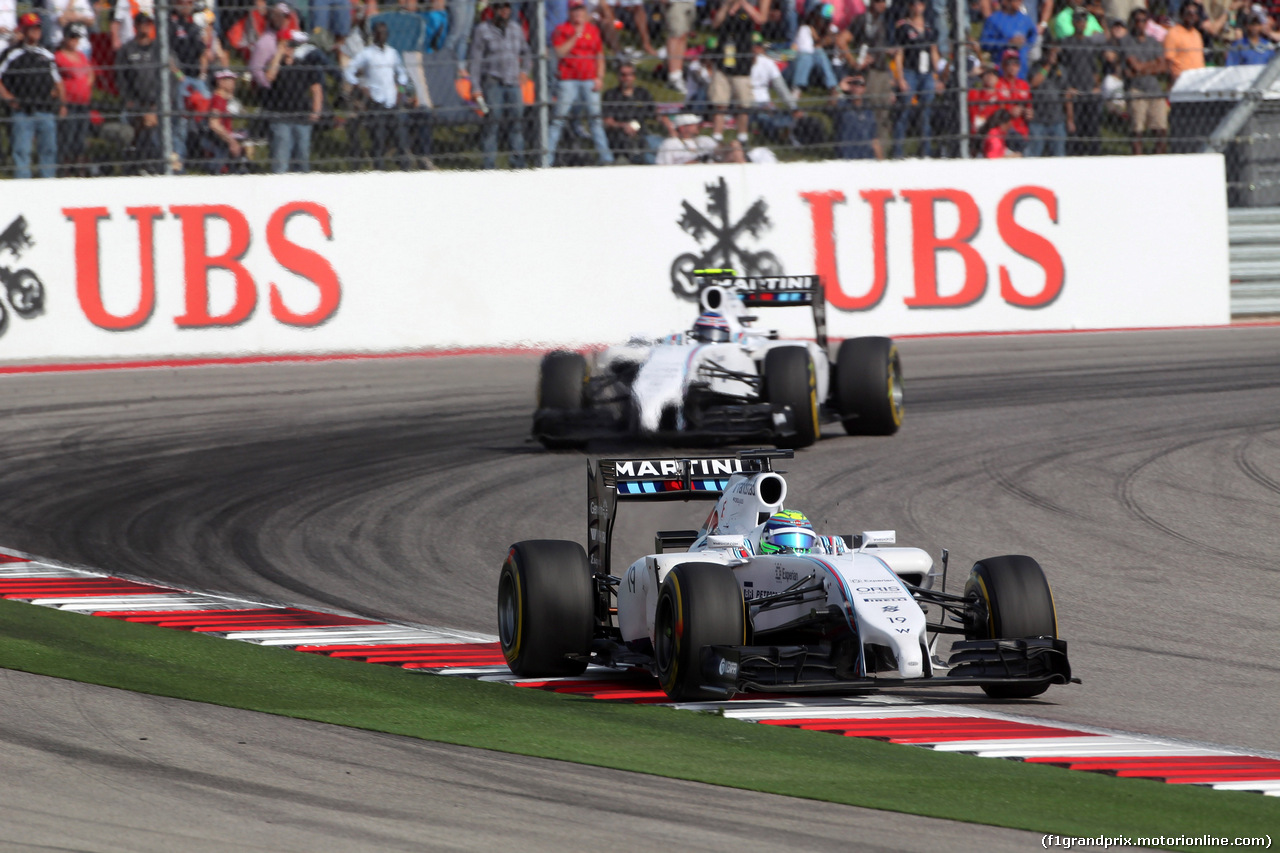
point(788, 532)
point(711, 327)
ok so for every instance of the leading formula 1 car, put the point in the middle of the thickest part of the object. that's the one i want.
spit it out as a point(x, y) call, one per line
point(724, 379)
point(756, 600)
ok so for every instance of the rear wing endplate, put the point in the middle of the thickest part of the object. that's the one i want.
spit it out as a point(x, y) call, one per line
point(681, 478)
point(774, 291)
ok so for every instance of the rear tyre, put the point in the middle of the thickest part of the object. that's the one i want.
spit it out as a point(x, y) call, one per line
point(699, 604)
point(869, 386)
point(790, 380)
point(546, 617)
point(1019, 604)
point(562, 387)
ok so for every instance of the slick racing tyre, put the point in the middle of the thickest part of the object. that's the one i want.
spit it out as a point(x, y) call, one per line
point(869, 386)
point(562, 381)
point(1015, 595)
point(699, 604)
point(545, 610)
point(26, 293)
point(790, 380)
point(562, 387)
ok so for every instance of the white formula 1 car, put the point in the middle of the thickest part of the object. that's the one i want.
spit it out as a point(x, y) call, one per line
point(756, 600)
point(725, 379)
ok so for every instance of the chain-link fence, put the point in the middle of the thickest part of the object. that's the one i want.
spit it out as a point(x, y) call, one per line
point(335, 86)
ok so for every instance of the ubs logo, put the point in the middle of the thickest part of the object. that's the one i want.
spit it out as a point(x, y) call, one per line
point(724, 251)
point(24, 292)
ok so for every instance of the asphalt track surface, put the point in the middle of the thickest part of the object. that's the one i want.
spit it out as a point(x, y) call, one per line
point(1141, 468)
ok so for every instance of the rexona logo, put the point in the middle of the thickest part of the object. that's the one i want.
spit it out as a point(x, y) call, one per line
point(22, 287)
point(723, 235)
point(675, 467)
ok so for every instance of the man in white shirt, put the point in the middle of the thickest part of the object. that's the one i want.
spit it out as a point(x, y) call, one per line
point(770, 121)
point(380, 72)
point(686, 146)
point(58, 14)
point(8, 23)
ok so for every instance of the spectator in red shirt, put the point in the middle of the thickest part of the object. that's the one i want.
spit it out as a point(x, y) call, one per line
point(1014, 95)
point(580, 48)
point(77, 83)
point(225, 144)
point(982, 101)
point(995, 143)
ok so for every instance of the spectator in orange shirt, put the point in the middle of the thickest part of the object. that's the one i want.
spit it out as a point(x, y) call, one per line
point(1184, 45)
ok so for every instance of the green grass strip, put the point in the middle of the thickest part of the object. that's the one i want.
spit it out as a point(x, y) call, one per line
point(660, 741)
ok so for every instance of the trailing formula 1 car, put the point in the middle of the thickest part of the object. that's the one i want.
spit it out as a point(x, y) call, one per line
point(756, 600)
point(724, 379)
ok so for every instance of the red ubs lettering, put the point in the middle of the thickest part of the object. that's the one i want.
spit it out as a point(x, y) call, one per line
point(926, 243)
point(197, 262)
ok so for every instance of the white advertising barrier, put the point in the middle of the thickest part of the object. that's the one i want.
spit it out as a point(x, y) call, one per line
point(226, 266)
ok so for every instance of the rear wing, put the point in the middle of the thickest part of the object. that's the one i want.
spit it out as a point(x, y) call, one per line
point(774, 291)
point(681, 478)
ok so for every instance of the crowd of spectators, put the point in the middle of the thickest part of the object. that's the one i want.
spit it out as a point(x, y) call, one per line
point(251, 83)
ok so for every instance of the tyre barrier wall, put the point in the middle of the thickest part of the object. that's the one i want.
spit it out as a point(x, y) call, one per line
point(384, 262)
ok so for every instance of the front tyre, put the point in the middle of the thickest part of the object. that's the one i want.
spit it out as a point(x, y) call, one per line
point(869, 386)
point(790, 380)
point(699, 605)
point(545, 608)
point(562, 391)
point(1014, 595)
point(562, 381)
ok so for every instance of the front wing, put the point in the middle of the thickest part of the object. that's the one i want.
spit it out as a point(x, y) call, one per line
point(797, 669)
point(731, 422)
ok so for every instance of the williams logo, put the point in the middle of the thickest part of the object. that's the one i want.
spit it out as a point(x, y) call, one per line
point(22, 286)
point(724, 251)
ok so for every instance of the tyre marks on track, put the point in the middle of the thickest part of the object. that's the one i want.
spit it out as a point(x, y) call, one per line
point(451, 653)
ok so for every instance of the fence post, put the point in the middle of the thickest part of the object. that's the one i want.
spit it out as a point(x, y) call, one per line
point(1233, 122)
point(165, 110)
point(962, 74)
point(540, 75)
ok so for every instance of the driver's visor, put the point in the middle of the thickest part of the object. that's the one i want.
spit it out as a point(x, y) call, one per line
point(793, 539)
